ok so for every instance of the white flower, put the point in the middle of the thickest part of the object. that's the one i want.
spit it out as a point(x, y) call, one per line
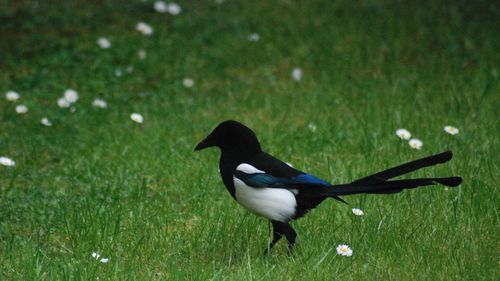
point(144, 28)
point(99, 103)
point(174, 9)
point(7, 161)
point(344, 250)
point(451, 130)
point(188, 82)
point(254, 37)
point(103, 43)
point(21, 109)
point(105, 260)
point(118, 72)
point(403, 134)
point(71, 95)
point(46, 122)
point(12, 96)
point(160, 7)
point(95, 255)
point(312, 127)
point(415, 143)
point(297, 74)
point(136, 117)
point(357, 212)
point(63, 102)
point(129, 69)
point(142, 54)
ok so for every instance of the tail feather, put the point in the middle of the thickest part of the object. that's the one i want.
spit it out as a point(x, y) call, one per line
point(380, 183)
point(388, 187)
point(406, 168)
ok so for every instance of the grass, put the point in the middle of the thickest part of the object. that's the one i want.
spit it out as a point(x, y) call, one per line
point(138, 194)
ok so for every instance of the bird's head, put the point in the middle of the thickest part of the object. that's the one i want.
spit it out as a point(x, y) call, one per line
point(231, 135)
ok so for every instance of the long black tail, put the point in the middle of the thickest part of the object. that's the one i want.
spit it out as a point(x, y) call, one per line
point(379, 183)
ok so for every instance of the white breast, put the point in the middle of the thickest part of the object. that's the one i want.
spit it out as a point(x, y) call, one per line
point(273, 203)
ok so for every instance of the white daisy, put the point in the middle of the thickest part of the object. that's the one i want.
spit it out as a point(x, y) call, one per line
point(344, 250)
point(136, 117)
point(357, 212)
point(99, 103)
point(451, 130)
point(297, 74)
point(118, 72)
point(103, 42)
point(254, 37)
point(95, 255)
point(144, 28)
point(7, 161)
point(403, 134)
point(71, 95)
point(46, 122)
point(21, 109)
point(63, 102)
point(188, 82)
point(415, 144)
point(160, 7)
point(142, 54)
point(312, 127)
point(104, 260)
point(174, 9)
point(12, 96)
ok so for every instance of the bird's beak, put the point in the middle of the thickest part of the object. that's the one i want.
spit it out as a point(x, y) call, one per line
point(204, 144)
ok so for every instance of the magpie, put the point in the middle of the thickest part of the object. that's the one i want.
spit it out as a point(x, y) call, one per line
point(275, 190)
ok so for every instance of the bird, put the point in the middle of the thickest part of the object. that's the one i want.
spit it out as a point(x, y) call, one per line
point(277, 191)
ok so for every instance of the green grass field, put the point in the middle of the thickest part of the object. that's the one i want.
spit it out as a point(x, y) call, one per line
point(139, 195)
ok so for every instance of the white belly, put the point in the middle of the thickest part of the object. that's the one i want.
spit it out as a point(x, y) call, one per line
point(273, 203)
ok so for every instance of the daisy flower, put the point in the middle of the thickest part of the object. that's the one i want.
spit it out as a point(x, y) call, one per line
point(7, 161)
point(174, 9)
point(344, 250)
point(297, 74)
point(144, 28)
point(188, 82)
point(160, 7)
point(357, 212)
point(63, 102)
point(21, 109)
point(403, 134)
point(415, 144)
point(118, 72)
point(451, 130)
point(254, 37)
point(71, 95)
point(46, 122)
point(103, 42)
point(136, 117)
point(96, 256)
point(99, 103)
point(12, 96)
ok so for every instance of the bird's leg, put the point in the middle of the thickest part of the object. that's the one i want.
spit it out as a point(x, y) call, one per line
point(290, 235)
point(277, 234)
point(280, 229)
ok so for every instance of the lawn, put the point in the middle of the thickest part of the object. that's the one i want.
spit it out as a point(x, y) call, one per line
point(136, 193)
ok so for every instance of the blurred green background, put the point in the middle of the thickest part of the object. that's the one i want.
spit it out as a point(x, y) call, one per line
point(95, 181)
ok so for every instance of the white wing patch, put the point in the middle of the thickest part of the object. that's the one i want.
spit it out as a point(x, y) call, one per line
point(248, 169)
point(273, 203)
